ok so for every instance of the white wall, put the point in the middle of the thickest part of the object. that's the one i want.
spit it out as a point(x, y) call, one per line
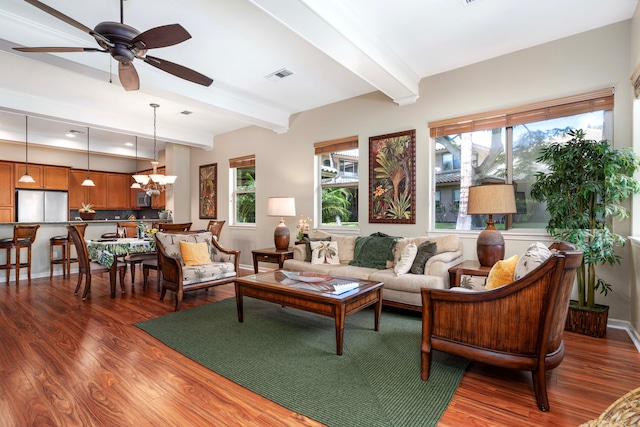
point(285, 163)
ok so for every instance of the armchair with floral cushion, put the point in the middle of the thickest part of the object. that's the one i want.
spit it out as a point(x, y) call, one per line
point(193, 261)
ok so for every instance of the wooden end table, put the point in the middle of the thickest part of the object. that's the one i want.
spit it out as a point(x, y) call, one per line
point(471, 268)
point(273, 255)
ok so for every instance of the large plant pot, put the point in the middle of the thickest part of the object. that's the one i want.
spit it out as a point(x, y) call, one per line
point(587, 321)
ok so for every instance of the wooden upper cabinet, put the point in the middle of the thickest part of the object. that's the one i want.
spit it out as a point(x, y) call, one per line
point(7, 210)
point(78, 194)
point(118, 191)
point(46, 177)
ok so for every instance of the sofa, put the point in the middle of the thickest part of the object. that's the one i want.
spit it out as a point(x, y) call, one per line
point(401, 290)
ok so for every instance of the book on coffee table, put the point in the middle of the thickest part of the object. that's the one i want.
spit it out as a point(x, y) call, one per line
point(318, 282)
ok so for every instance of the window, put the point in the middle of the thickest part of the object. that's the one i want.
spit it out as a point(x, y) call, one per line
point(338, 160)
point(503, 148)
point(243, 179)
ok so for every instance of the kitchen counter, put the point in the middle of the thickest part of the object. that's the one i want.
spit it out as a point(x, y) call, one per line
point(47, 230)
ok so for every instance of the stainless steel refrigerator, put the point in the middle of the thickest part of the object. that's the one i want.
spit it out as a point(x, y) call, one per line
point(42, 206)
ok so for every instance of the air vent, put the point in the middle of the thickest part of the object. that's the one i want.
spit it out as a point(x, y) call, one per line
point(72, 133)
point(186, 112)
point(469, 2)
point(278, 75)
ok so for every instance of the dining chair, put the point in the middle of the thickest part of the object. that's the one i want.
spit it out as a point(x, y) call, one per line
point(86, 267)
point(215, 227)
point(171, 227)
point(23, 237)
point(130, 228)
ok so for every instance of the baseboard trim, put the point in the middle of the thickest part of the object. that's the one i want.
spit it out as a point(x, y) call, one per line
point(627, 326)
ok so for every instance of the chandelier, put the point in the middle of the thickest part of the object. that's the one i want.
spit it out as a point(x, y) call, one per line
point(155, 182)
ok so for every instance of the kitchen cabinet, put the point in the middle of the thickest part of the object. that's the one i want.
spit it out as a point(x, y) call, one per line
point(46, 177)
point(118, 191)
point(78, 194)
point(7, 209)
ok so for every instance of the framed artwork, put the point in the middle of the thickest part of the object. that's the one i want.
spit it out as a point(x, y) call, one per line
point(392, 178)
point(208, 194)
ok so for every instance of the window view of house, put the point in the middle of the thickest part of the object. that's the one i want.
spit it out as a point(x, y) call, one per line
point(503, 155)
point(339, 183)
point(243, 180)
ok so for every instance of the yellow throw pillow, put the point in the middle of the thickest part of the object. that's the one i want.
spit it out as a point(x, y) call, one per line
point(502, 273)
point(194, 253)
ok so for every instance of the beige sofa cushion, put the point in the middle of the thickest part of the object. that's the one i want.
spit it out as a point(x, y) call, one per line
point(346, 245)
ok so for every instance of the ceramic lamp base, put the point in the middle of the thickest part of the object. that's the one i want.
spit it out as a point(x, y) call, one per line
point(281, 237)
point(490, 247)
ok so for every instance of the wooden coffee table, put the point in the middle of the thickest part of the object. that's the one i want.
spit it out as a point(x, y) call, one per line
point(275, 287)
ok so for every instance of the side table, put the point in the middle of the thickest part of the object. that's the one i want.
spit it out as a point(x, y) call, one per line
point(472, 268)
point(271, 255)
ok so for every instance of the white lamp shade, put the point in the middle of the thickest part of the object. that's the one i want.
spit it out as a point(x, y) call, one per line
point(135, 185)
point(170, 179)
point(88, 183)
point(281, 206)
point(141, 179)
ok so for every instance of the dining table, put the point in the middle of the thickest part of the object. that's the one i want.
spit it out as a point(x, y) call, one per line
point(105, 251)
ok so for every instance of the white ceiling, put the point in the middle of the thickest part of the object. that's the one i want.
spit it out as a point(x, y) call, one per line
point(336, 49)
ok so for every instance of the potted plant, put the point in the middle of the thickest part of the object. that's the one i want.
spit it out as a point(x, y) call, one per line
point(583, 188)
point(87, 212)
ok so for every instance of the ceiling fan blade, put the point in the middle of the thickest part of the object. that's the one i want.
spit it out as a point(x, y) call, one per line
point(58, 49)
point(163, 36)
point(178, 70)
point(128, 76)
point(51, 11)
point(61, 16)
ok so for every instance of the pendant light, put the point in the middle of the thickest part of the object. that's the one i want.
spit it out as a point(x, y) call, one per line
point(136, 184)
point(26, 178)
point(155, 182)
point(88, 182)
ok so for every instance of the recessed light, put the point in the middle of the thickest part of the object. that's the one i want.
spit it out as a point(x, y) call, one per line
point(129, 144)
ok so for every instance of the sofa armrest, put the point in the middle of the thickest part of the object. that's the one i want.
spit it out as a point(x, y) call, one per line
point(299, 252)
point(439, 265)
point(226, 255)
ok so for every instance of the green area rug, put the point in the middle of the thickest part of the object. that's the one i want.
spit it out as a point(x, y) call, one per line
point(289, 356)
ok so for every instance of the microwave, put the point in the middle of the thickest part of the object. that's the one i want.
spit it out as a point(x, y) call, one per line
point(144, 200)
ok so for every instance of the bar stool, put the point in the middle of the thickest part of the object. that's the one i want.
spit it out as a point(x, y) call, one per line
point(23, 237)
point(65, 243)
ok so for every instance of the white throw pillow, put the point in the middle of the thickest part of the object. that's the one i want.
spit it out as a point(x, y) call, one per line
point(536, 254)
point(324, 252)
point(406, 259)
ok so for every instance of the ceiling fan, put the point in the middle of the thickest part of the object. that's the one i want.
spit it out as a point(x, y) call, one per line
point(125, 43)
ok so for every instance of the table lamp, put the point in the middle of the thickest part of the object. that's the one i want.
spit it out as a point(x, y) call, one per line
point(489, 200)
point(281, 206)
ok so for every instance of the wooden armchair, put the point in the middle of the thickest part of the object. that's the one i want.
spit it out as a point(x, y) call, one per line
point(516, 326)
point(224, 265)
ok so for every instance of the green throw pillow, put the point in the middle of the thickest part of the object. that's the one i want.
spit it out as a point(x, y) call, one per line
point(425, 251)
point(307, 241)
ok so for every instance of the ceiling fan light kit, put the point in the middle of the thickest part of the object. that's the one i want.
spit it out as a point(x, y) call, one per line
point(124, 43)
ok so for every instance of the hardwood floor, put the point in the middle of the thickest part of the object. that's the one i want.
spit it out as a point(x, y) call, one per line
point(68, 362)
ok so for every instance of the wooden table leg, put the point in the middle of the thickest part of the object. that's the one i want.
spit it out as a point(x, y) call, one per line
point(112, 277)
point(340, 315)
point(378, 311)
point(255, 263)
point(239, 304)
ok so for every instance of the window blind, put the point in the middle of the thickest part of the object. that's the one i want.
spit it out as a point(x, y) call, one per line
point(241, 162)
point(528, 113)
point(336, 145)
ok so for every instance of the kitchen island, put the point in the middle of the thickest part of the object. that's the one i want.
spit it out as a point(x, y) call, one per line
point(47, 230)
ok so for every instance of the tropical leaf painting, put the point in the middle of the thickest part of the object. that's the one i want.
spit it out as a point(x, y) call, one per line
point(392, 170)
point(208, 200)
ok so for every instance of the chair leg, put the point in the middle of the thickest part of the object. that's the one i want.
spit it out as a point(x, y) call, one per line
point(18, 264)
point(540, 389)
point(133, 272)
point(87, 286)
point(122, 272)
point(425, 358)
point(29, 263)
point(79, 283)
point(179, 295)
